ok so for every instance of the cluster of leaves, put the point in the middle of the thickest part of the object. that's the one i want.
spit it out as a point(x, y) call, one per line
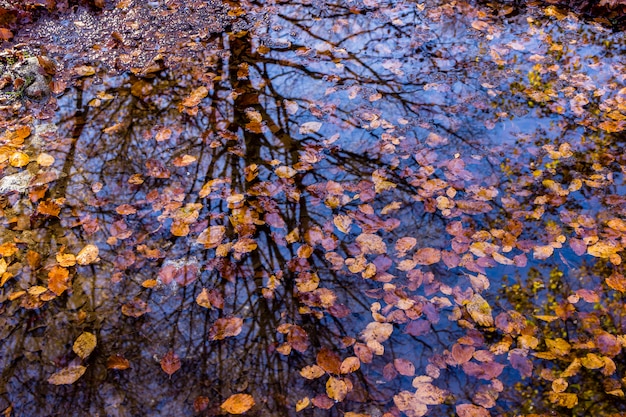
point(225, 200)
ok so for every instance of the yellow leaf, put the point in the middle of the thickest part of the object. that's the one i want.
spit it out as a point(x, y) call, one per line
point(603, 249)
point(238, 403)
point(480, 310)
point(564, 399)
point(558, 346)
point(371, 243)
point(342, 222)
point(18, 159)
point(302, 404)
point(336, 389)
point(312, 372)
point(66, 259)
point(285, 171)
point(559, 385)
point(87, 255)
point(480, 25)
point(350, 364)
point(592, 361)
point(85, 344)
point(203, 299)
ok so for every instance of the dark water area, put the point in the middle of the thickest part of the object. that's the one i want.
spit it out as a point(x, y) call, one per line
point(317, 209)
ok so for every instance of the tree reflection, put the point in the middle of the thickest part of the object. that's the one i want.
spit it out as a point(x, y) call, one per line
point(273, 183)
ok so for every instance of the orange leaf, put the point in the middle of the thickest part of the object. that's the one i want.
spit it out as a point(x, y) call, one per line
point(49, 207)
point(85, 344)
point(349, 365)
point(196, 97)
point(238, 403)
point(427, 256)
point(117, 362)
point(58, 278)
point(371, 243)
point(170, 363)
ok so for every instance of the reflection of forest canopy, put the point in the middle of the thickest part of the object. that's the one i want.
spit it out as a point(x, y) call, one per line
point(326, 190)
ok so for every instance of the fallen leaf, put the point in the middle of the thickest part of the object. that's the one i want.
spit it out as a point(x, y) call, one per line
point(471, 410)
point(170, 363)
point(310, 127)
point(238, 403)
point(349, 365)
point(312, 372)
point(336, 389)
point(117, 362)
point(87, 255)
point(225, 327)
point(480, 310)
point(67, 375)
point(85, 344)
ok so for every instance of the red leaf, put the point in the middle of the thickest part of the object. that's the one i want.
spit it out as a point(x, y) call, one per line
point(329, 361)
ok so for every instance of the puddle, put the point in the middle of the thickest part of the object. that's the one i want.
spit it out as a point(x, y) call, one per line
point(359, 209)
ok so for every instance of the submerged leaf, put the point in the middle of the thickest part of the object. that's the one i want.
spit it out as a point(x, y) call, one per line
point(170, 363)
point(67, 375)
point(238, 403)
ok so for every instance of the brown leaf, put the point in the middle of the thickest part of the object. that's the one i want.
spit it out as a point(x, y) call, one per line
point(329, 361)
point(410, 404)
point(238, 403)
point(85, 344)
point(170, 363)
point(298, 338)
point(371, 243)
point(322, 401)
point(225, 327)
point(67, 375)
point(462, 354)
point(135, 308)
point(49, 208)
point(470, 410)
point(427, 256)
point(212, 236)
point(200, 404)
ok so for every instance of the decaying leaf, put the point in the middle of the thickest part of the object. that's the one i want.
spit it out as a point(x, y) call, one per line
point(225, 327)
point(87, 255)
point(480, 310)
point(85, 344)
point(67, 376)
point(238, 403)
point(336, 389)
point(117, 362)
point(170, 363)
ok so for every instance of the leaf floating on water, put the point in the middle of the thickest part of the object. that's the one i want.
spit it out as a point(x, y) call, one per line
point(310, 127)
point(170, 363)
point(87, 255)
point(85, 344)
point(135, 308)
point(225, 327)
point(67, 376)
point(471, 410)
point(480, 310)
point(238, 403)
point(302, 404)
point(336, 389)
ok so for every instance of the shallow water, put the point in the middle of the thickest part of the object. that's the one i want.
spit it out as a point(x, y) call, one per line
point(310, 182)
